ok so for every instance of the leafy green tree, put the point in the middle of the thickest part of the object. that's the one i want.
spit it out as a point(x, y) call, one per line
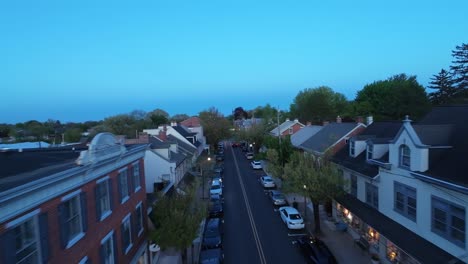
point(73, 135)
point(240, 113)
point(284, 149)
point(318, 104)
point(392, 99)
point(316, 178)
point(443, 83)
point(254, 135)
point(179, 117)
point(120, 125)
point(5, 130)
point(177, 219)
point(215, 125)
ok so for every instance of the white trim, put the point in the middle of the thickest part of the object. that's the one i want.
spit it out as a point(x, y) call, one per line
point(126, 217)
point(126, 198)
point(83, 260)
point(139, 204)
point(105, 215)
point(137, 189)
point(123, 169)
point(129, 246)
point(103, 179)
point(70, 195)
point(136, 163)
point(23, 218)
point(74, 240)
point(107, 237)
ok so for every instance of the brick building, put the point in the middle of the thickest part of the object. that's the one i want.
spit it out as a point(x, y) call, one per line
point(74, 205)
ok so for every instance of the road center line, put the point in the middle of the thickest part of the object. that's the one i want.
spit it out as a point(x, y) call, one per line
point(249, 212)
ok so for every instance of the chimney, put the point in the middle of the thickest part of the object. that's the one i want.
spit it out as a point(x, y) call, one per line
point(325, 123)
point(338, 119)
point(162, 134)
point(296, 120)
point(173, 123)
point(359, 119)
point(287, 119)
point(308, 123)
point(369, 120)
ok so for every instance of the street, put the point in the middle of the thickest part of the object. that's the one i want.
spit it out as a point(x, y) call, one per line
point(253, 230)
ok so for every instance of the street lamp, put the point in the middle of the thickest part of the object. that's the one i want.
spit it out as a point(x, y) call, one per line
point(305, 201)
point(203, 176)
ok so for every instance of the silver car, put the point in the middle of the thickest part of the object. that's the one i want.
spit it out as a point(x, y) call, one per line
point(277, 198)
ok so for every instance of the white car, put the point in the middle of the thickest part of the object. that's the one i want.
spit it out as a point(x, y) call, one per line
point(256, 165)
point(216, 188)
point(249, 156)
point(267, 182)
point(291, 217)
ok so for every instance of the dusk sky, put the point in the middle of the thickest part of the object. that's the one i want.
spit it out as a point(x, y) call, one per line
point(87, 60)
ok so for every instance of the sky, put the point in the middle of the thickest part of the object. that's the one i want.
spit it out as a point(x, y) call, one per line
point(75, 61)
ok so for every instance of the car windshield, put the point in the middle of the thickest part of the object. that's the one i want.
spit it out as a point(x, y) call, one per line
point(267, 179)
point(214, 187)
point(294, 216)
point(278, 196)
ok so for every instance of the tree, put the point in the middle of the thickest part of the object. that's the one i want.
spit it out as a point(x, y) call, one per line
point(177, 219)
point(316, 178)
point(120, 125)
point(5, 130)
point(179, 117)
point(73, 135)
point(239, 113)
point(255, 135)
point(392, 99)
point(215, 126)
point(284, 150)
point(460, 72)
point(318, 104)
point(443, 83)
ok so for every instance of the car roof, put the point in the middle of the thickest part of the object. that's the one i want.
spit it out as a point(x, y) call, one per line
point(267, 177)
point(276, 192)
point(215, 182)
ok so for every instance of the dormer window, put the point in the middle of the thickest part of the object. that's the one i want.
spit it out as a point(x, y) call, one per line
point(351, 148)
point(370, 150)
point(405, 156)
point(290, 131)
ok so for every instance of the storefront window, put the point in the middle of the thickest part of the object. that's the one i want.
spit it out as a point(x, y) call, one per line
point(373, 237)
point(392, 252)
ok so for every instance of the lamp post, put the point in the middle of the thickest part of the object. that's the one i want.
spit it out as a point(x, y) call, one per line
point(203, 176)
point(305, 201)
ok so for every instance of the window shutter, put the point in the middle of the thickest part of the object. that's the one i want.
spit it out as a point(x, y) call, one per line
point(111, 194)
point(44, 236)
point(63, 215)
point(97, 202)
point(119, 186)
point(84, 211)
point(7, 245)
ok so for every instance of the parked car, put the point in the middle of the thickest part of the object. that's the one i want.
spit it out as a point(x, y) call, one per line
point(218, 168)
point(220, 157)
point(256, 165)
point(277, 197)
point(215, 208)
point(291, 217)
point(249, 155)
point(217, 177)
point(267, 182)
point(216, 188)
point(211, 256)
point(315, 250)
point(212, 238)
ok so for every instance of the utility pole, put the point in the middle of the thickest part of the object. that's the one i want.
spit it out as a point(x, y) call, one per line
point(279, 137)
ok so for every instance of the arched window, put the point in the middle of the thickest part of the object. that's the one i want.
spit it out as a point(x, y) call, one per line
point(405, 156)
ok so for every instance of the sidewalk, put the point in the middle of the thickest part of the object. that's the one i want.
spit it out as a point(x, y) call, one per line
point(340, 243)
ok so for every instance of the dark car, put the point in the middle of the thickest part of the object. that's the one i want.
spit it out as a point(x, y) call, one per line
point(211, 256)
point(212, 237)
point(277, 198)
point(315, 250)
point(220, 157)
point(216, 208)
point(218, 168)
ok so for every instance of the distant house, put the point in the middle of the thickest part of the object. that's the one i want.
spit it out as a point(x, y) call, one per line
point(193, 124)
point(408, 190)
point(288, 127)
point(74, 205)
point(246, 124)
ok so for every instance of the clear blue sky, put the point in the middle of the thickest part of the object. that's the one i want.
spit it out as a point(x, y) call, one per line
point(87, 60)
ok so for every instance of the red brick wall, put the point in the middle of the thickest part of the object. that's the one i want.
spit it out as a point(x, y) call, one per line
point(337, 147)
point(295, 127)
point(90, 244)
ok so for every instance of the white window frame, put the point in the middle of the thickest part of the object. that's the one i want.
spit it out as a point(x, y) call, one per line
point(449, 209)
point(108, 211)
point(34, 240)
point(352, 148)
point(79, 235)
point(136, 176)
point(123, 175)
point(126, 222)
point(370, 151)
point(139, 218)
point(406, 192)
point(106, 239)
point(372, 195)
point(404, 156)
point(290, 130)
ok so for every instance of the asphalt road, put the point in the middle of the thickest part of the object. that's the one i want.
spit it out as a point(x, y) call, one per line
point(253, 230)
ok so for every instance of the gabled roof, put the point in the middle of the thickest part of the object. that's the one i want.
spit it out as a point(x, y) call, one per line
point(375, 132)
point(185, 132)
point(193, 121)
point(328, 136)
point(285, 126)
point(156, 143)
point(449, 164)
point(434, 135)
point(185, 148)
point(303, 134)
point(178, 158)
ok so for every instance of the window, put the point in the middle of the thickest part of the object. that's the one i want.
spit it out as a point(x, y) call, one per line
point(107, 249)
point(448, 220)
point(370, 151)
point(405, 200)
point(26, 241)
point(103, 199)
point(353, 185)
point(123, 186)
point(136, 176)
point(405, 156)
point(372, 195)
point(126, 234)
point(139, 219)
point(351, 148)
point(290, 131)
point(73, 222)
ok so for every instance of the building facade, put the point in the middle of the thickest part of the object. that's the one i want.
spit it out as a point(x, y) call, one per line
point(74, 205)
